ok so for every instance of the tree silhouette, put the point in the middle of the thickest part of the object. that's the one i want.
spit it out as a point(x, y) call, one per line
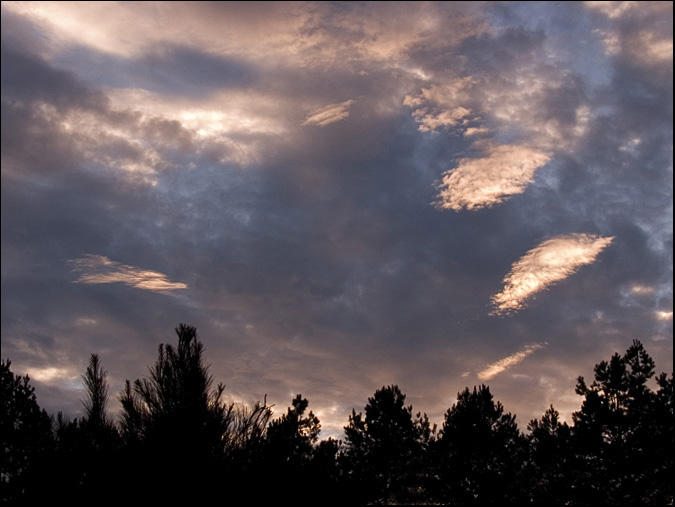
point(481, 451)
point(96, 384)
point(285, 454)
point(97, 439)
point(551, 459)
point(175, 421)
point(248, 428)
point(88, 448)
point(325, 475)
point(177, 441)
point(660, 484)
point(620, 432)
point(381, 447)
point(291, 437)
point(25, 439)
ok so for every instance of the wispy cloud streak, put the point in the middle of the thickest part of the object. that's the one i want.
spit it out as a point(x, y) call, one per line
point(98, 269)
point(484, 182)
point(551, 261)
point(501, 365)
point(329, 114)
point(52, 374)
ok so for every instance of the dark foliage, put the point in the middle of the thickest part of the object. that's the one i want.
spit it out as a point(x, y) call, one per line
point(175, 423)
point(622, 432)
point(480, 452)
point(178, 441)
point(383, 449)
point(552, 460)
point(25, 434)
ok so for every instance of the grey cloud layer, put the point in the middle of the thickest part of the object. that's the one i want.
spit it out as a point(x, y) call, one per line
point(281, 162)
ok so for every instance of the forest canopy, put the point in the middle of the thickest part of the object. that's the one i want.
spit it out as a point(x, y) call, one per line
point(176, 438)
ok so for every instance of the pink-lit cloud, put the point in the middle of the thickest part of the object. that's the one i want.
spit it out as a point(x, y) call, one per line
point(441, 105)
point(649, 43)
point(483, 182)
point(52, 374)
point(97, 269)
point(499, 366)
point(329, 114)
point(549, 262)
point(663, 315)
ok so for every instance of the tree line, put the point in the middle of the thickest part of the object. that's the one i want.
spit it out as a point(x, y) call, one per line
point(177, 439)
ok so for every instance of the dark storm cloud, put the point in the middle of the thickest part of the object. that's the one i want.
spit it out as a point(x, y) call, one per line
point(284, 168)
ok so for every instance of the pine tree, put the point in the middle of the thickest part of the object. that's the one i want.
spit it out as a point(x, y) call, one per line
point(551, 459)
point(481, 451)
point(176, 422)
point(285, 455)
point(26, 440)
point(619, 434)
point(382, 447)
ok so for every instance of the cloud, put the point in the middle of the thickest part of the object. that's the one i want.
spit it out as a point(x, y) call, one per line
point(438, 106)
point(174, 131)
point(430, 122)
point(472, 131)
point(131, 133)
point(612, 9)
point(619, 9)
point(99, 269)
point(501, 365)
point(641, 32)
point(664, 315)
point(484, 182)
point(118, 30)
point(551, 261)
point(52, 374)
point(329, 114)
point(642, 290)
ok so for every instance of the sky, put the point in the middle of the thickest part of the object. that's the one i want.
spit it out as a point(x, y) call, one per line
point(338, 195)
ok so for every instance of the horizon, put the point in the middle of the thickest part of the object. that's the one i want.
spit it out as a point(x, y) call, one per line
point(333, 432)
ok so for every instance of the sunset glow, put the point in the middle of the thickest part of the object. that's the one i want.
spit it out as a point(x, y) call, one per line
point(338, 196)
